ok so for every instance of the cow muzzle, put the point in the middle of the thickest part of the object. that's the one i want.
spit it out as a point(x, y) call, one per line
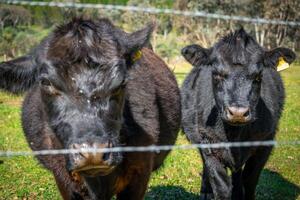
point(91, 163)
point(237, 115)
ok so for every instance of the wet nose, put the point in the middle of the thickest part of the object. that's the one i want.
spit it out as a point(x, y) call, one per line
point(91, 161)
point(238, 114)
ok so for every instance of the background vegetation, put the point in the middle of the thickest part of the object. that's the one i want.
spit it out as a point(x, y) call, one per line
point(22, 28)
point(19, 24)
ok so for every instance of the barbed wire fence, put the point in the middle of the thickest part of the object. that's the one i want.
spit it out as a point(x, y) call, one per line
point(152, 148)
point(153, 11)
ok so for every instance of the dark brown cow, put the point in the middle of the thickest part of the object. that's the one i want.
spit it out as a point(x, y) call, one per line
point(87, 88)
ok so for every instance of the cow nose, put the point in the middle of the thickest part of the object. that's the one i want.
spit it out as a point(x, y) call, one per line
point(238, 114)
point(91, 163)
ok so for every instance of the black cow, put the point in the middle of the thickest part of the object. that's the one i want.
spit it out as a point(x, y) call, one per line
point(93, 85)
point(233, 93)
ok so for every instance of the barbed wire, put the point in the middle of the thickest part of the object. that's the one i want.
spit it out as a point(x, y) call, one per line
point(152, 148)
point(151, 10)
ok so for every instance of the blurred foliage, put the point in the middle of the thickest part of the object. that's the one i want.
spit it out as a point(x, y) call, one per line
point(169, 46)
point(13, 16)
point(267, 35)
point(17, 41)
point(22, 27)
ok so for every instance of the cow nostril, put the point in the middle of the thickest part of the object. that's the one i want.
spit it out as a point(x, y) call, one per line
point(82, 155)
point(106, 156)
point(246, 114)
point(230, 112)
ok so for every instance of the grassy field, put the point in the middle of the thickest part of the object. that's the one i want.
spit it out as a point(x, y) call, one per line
point(24, 178)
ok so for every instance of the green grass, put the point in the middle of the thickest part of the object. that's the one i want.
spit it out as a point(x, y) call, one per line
point(24, 178)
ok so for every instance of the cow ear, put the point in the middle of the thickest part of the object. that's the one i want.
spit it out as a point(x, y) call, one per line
point(195, 54)
point(272, 57)
point(18, 75)
point(134, 42)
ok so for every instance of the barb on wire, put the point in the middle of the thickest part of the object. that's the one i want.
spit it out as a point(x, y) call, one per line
point(154, 11)
point(150, 148)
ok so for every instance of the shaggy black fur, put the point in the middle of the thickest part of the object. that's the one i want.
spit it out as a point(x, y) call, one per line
point(236, 71)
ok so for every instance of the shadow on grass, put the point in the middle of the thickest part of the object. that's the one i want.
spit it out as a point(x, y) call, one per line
point(170, 192)
point(273, 186)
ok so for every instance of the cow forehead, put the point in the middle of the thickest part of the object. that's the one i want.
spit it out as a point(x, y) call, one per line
point(82, 40)
point(228, 68)
point(81, 77)
point(238, 48)
point(234, 64)
point(101, 78)
point(238, 56)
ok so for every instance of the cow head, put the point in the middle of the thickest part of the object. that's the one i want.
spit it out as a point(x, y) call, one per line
point(84, 88)
point(237, 63)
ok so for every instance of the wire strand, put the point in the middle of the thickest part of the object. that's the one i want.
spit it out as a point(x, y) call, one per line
point(151, 148)
point(151, 10)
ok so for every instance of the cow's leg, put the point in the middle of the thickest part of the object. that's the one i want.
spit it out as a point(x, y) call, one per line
point(206, 192)
point(253, 169)
point(70, 188)
point(136, 189)
point(69, 191)
point(139, 178)
point(219, 180)
point(237, 183)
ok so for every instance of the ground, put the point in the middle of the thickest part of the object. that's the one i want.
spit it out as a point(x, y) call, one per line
point(24, 178)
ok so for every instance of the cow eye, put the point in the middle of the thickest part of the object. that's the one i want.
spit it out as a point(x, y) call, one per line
point(219, 76)
point(95, 97)
point(258, 78)
point(48, 87)
point(123, 83)
point(117, 91)
point(91, 63)
point(237, 64)
point(45, 82)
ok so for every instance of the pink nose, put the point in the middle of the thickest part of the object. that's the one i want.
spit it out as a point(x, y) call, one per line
point(238, 114)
